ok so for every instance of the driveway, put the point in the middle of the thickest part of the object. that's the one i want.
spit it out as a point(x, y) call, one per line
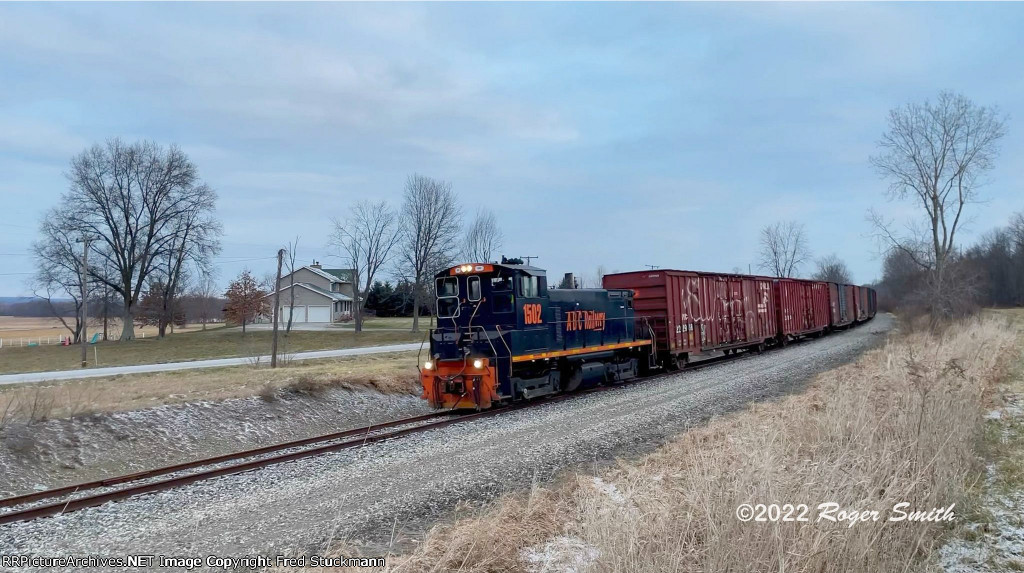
point(215, 363)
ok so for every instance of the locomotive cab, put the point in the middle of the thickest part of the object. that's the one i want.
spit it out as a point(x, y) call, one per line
point(502, 336)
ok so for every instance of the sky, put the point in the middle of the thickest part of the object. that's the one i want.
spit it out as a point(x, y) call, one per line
point(612, 134)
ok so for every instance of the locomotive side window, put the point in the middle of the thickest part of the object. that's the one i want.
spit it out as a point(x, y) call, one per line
point(473, 288)
point(447, 286)
point(501, 291)
point(528, 286)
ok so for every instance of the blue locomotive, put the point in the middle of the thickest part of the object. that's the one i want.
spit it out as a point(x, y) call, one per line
point(502, 335)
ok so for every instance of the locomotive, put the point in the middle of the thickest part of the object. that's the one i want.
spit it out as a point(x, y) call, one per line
point(503, 335)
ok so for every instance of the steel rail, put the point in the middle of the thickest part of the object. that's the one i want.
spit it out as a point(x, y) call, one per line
point(106, 482)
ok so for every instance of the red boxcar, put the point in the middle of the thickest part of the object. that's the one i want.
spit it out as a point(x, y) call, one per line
point(802, 307)
point(860, 303)
point(865, 298)
point(841, 299)
point(693, 312)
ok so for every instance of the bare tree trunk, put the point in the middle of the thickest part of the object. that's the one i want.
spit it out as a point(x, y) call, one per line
point(128, 323)
point(416, 306)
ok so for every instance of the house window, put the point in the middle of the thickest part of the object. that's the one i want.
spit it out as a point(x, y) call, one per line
point(335, 287)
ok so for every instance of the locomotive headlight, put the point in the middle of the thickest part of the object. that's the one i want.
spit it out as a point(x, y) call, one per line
point(428, 365)
point(478, 363)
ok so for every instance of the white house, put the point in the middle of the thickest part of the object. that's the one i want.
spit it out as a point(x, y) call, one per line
point(321, 295)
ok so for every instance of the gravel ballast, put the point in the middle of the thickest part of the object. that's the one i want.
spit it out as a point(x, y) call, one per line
point(362, 496)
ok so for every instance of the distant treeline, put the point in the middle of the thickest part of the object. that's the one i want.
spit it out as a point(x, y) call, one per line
point(385, 299)
point(191, 308)
point(37, 307)
point(988, 274)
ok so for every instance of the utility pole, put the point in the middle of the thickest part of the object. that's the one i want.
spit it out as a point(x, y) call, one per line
point(277, 308)
point(528, 259)
point(85, 299)
point(652, 267)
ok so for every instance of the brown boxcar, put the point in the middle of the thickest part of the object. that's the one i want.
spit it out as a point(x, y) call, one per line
point(860, 297)
point(802, 307)
point(693, 312)
point(841, 299)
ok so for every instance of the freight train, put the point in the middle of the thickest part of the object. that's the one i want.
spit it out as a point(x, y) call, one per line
point(503, 335)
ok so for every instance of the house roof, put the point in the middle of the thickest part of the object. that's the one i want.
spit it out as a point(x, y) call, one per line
point(321, 272)
point(336, 296)
point(340, 274)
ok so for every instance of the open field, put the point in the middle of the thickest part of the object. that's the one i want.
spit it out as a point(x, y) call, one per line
point(35, 327)
point(902, 424)
point(194, 345)
point(388, 373)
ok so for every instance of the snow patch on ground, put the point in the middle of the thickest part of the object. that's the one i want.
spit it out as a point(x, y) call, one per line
point(560, 555)
point(997, 545)
point(609, 490)
point(58, 452)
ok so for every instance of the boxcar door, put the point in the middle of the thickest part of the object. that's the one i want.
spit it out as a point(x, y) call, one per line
point(737, 309)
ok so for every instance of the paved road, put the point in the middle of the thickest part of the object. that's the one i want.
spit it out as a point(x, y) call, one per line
point(216, 363)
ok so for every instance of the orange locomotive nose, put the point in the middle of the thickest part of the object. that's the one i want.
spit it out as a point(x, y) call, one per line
point(460, 384)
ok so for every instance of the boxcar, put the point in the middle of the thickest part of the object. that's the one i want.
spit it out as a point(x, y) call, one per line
point(843, 307)
point(694, 312)
point(802, 308)
point(860, 297)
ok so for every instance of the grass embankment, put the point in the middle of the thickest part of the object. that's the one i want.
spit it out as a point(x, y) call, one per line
point(902, 424)
point(197, 345)
point(390, 373)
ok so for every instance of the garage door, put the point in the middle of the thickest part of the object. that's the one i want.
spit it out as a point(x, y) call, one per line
point(319, 314)
point(300, 314)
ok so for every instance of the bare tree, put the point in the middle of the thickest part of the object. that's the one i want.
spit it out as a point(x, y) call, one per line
point(366, 240)
point(132, 200)
point(289, 261)
point(783, 248)
point(483, 237)
point(206, 291)
point(935, 154)
point(58, 271)
point(195, 241)
point(832, 269)
point(430, 227)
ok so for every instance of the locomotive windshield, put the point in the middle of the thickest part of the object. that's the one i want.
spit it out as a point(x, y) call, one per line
point(473, 288)
point(447, 297)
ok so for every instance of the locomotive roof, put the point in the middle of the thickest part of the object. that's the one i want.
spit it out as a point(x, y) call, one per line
point(530, 270)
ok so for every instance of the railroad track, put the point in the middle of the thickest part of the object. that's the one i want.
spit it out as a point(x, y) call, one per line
point(144, 482)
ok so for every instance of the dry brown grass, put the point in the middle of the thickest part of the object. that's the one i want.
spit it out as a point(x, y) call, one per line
point(903, 423)
point(389, 373)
